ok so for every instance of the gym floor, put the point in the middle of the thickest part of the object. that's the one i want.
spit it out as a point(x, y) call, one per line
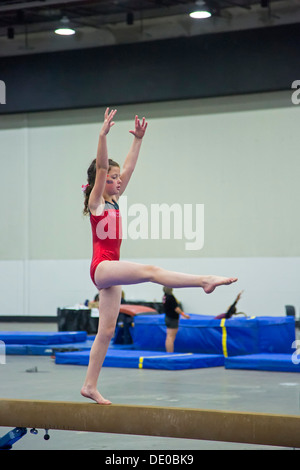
point(212, 388)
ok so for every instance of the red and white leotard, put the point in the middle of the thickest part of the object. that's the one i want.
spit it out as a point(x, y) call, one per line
point(107, 236)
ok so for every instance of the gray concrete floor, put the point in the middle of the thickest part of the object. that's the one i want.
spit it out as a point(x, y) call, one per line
point(212, 388)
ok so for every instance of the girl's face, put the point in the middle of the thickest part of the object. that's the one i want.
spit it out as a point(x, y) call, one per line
point(113, 181)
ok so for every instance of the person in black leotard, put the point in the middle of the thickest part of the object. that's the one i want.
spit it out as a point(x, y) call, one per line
point(172, 314)
point(231, 310)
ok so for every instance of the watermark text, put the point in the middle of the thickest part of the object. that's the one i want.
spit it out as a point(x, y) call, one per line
point(296, 354)
point(2, 92)
point(2, 353)
point(296, 94)
point(155, 222)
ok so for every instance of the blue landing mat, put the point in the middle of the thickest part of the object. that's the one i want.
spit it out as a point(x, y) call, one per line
point(44, 349)
point(24, 337)
point(268, 362)
point(145, 359)
point(206, 335)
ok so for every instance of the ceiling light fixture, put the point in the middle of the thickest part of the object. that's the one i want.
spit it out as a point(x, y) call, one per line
point(64, 29)
point(201, 10)
point(200, 14)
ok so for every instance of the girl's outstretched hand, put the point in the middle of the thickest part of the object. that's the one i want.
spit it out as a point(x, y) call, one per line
point(140, 128)
point(108, 121)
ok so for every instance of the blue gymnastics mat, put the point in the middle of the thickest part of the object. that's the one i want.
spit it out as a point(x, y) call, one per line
point(51, 349)
point(45, 349)
point(205, 335)
point(25, 337)
point(268, 362)
point(144, 359)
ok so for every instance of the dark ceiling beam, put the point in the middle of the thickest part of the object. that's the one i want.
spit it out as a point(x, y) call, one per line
point(223, 64)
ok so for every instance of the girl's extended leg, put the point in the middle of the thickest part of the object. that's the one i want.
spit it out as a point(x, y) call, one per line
point(108, 277)
point(109, 307)
point(110, 273)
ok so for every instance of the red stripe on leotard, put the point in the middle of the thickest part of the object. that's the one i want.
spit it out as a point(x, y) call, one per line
point(107, 236)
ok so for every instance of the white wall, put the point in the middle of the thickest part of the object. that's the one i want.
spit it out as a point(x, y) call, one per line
point(269, 284)
point(238, 156)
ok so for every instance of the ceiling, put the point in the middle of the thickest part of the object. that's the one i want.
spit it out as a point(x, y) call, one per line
point(31, 23)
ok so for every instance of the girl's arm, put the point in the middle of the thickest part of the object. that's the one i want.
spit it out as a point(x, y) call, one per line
point(101, 162)
point(131, 159)
point(180, 312)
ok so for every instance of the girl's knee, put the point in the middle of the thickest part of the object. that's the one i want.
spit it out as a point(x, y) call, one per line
point(151, 272)
point(106, 334)
point(106, 330)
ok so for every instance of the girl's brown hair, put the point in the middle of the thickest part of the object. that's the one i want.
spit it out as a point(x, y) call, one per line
point(91, 176)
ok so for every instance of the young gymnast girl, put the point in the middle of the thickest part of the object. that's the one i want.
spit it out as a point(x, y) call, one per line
point(106, 182)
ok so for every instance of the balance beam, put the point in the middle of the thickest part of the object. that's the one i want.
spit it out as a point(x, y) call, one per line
point(187, 423)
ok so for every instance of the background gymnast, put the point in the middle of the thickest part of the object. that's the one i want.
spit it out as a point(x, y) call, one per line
point(172, 314)
point(106, 182)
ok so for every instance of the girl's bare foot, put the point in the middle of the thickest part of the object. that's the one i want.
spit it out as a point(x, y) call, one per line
point(211, 282)
point(94, 395)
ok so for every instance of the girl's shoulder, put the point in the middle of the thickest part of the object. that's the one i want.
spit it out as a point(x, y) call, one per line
point(104, 206)
point(98, 210)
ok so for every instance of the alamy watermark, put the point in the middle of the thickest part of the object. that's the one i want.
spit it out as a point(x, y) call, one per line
point(2, 353)
point(2, 92)
point(296, 94)
point(156, 222)
point(296, 354)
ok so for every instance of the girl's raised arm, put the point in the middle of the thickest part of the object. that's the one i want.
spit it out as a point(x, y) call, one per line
point(132, 156)
point(101, 161)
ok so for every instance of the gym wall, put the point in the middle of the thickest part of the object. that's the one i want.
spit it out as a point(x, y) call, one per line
point(237, 156)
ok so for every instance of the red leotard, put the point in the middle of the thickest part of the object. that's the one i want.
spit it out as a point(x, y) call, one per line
point(107, 236)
